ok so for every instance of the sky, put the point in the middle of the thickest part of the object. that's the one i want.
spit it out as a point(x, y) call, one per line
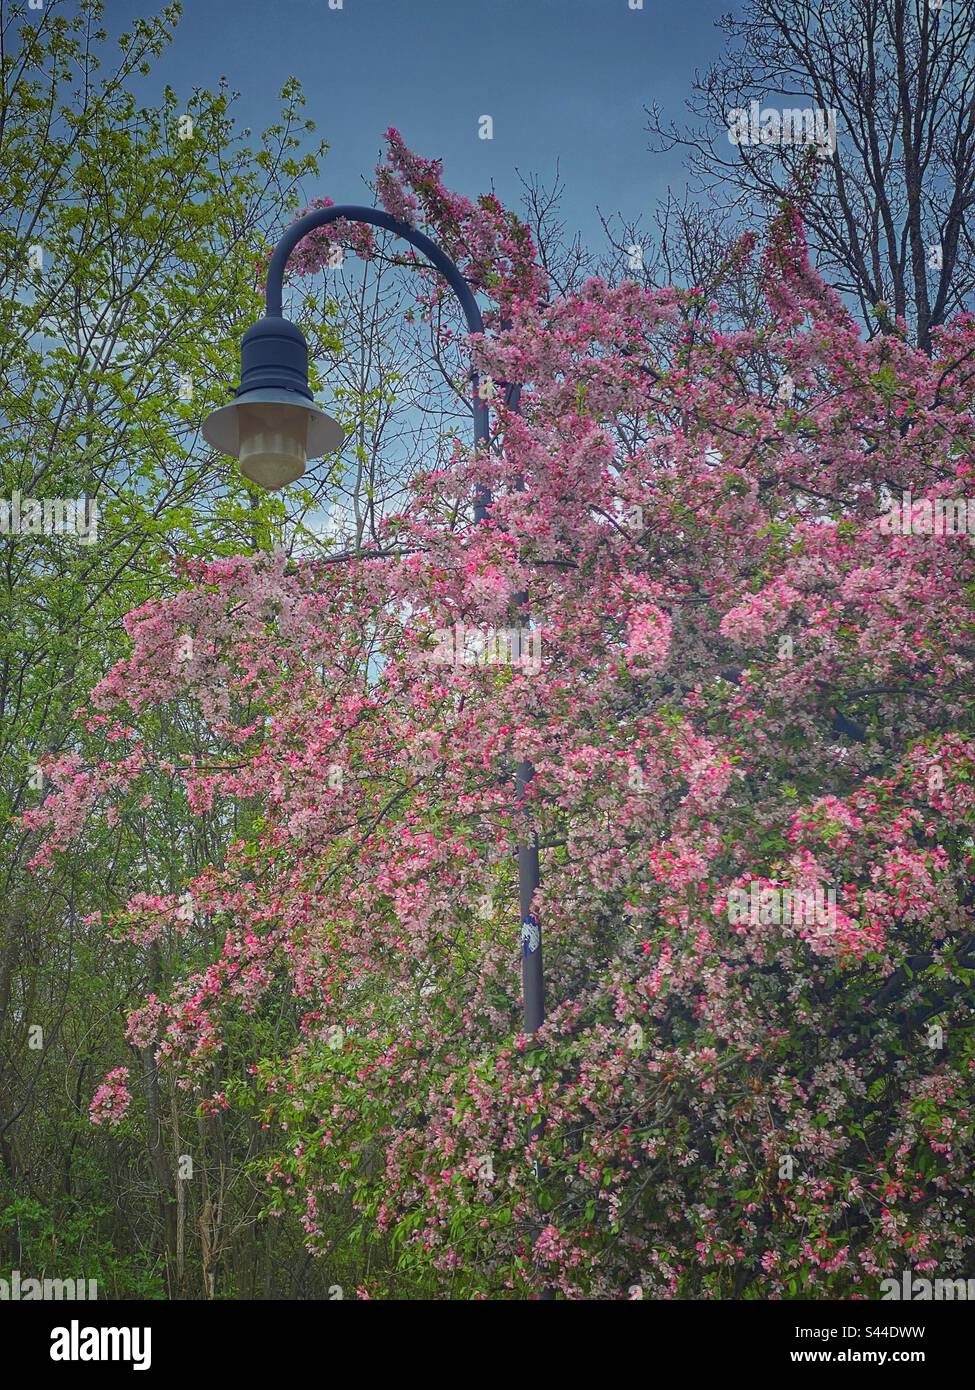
point(564, 81)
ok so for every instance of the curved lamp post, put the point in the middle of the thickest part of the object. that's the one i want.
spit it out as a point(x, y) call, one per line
point(273, 427)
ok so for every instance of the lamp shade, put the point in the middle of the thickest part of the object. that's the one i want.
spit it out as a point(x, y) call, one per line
point(273, 425)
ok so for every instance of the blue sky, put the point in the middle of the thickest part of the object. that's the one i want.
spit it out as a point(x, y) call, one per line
point(564, 80)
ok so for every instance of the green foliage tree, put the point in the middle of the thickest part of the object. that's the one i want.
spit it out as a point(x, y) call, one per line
point(131, 238)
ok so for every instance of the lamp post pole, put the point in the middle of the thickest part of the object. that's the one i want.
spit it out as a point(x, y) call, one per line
point(273, 425)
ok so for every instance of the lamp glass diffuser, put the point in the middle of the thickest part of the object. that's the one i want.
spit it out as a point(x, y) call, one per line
point(273, 443)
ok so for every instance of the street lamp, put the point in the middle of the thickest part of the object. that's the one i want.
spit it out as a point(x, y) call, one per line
point(273, 427)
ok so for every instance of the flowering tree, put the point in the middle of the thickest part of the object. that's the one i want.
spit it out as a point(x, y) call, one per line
point(746, 690)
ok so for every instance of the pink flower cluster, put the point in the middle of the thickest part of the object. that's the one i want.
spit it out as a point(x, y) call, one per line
point(112, 1099)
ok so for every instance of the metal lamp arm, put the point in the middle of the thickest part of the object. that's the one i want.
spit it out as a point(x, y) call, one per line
point(376, 218)
point(439, 259)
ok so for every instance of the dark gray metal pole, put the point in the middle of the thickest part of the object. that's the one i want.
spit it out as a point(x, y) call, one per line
point(529, 878)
